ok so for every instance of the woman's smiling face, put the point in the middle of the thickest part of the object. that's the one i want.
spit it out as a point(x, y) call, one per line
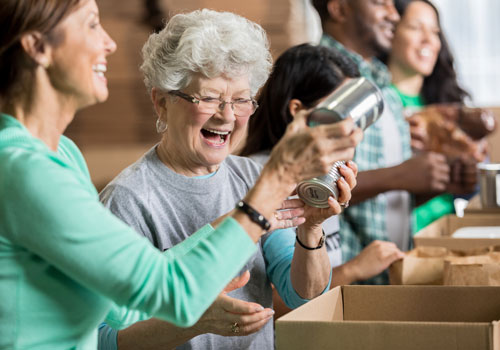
point(79, 48)
point(416, 42)
point(204, 140)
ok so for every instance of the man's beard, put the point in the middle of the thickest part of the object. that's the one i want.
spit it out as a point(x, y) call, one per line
point(369, 38)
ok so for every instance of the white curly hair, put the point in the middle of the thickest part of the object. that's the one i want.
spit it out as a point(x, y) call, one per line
point(207, 42)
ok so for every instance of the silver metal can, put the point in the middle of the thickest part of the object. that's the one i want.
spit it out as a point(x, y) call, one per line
point(489, 185)
point(356, 98)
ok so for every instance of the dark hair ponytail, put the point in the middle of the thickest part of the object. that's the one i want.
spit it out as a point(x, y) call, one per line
point(303, 72)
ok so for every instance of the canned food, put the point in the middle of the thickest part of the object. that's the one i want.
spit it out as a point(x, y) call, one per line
point(489, 185)
point(356, 98)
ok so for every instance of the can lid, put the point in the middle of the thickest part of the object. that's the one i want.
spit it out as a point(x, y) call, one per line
point(315, 193)
point(489, 166)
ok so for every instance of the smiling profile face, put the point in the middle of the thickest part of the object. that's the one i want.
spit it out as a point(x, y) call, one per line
point(375, 22)
point(79, 47)
point(204, 140)
point(416, 42)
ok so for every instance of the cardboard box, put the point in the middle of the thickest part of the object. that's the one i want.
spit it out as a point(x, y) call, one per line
point(422, 265)
point(474, 207)
point(438, 234)
point(395, 317)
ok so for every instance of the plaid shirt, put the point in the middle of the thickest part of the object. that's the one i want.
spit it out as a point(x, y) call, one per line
point(365, 222)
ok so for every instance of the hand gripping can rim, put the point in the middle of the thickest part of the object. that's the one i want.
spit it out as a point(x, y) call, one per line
point(356, 98)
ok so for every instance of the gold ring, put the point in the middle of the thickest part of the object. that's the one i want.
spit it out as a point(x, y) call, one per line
point(235, 327)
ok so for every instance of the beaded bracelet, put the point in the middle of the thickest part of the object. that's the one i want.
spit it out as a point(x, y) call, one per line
point(254, 215)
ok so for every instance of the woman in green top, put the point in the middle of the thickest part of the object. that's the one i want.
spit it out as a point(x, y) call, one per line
point(422, 71)
point(67, 263)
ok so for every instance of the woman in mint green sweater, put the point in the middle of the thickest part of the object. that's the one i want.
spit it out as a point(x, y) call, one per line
point(67, 263)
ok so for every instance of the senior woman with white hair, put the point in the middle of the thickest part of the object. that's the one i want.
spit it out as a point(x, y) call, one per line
point(202, 71)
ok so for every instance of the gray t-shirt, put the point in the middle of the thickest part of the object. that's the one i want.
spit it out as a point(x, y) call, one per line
point(167, 208)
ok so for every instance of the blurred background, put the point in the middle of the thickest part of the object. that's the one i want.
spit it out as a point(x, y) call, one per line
point(114, 134)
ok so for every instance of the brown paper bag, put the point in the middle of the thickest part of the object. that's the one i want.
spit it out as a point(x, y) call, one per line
point(480, 270)
point(422, 265)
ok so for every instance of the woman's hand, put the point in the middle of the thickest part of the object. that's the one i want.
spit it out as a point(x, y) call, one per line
point(302, 153)
point(305, 152)
point(316, 216)
point(419, 136)
point(233, 317)
point(290, 214)
point(372, 260)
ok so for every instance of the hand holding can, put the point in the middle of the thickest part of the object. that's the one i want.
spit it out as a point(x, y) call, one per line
point(356, 98)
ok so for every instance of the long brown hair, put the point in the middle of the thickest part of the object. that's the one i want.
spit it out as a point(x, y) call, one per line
point(18, 17)
point(442, 84)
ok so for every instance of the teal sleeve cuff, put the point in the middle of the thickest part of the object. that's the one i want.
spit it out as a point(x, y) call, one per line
point(107, 338)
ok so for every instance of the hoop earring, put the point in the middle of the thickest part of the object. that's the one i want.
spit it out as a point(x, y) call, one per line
point(161, 126)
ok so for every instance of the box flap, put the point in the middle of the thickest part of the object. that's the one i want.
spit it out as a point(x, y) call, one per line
point(421, 303)
point(439, 232)
point(474, 207)
point(326, 307)
point(495, 330)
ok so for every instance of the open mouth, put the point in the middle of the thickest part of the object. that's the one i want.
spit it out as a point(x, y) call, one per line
point(215, 137)
point(99, 69)
point(425, 52)
point(389, 32)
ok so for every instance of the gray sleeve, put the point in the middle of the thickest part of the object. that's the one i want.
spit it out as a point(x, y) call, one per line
point(128, 207)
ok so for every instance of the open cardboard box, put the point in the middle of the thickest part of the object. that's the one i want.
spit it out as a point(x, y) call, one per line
point(395, 317)
point(422, 265)
point(474, 207)
point(438, 234)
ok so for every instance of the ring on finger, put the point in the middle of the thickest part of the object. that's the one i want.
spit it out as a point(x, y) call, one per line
point(235, 328)
point(344, 205)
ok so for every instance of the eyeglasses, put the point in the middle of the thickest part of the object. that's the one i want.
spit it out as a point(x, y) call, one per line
point(240, 107)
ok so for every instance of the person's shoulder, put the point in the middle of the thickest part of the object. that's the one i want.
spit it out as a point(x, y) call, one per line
point(29, 171)
point(68, 144)
point(132, 183)
point(70, 151)
point(260, 157)
point(136, 175)
point(245, 167)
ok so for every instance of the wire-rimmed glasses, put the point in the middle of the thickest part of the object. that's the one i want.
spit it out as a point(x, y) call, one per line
point(241, 107)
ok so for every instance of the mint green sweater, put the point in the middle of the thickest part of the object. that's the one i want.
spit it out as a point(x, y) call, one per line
point(67, 264)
